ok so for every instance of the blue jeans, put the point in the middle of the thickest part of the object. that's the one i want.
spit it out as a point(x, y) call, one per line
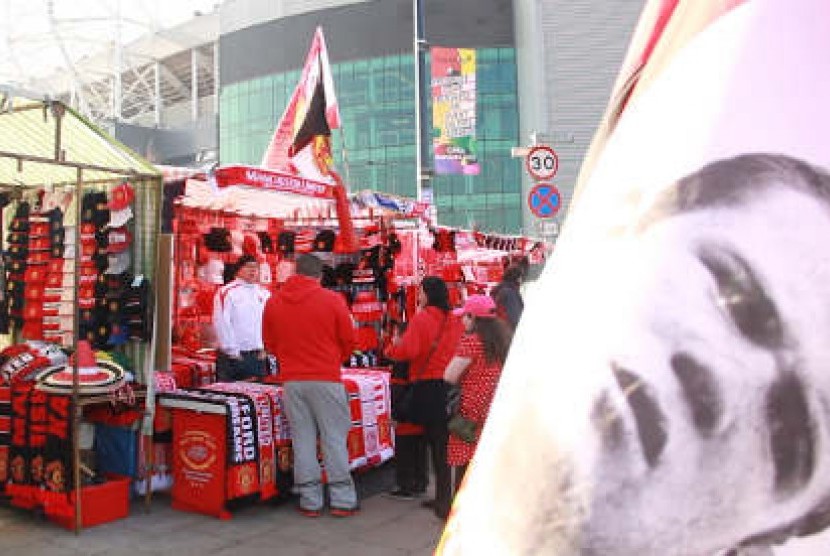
point(248, 365)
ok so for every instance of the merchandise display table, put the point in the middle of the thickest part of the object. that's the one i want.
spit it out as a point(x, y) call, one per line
point(232, 442)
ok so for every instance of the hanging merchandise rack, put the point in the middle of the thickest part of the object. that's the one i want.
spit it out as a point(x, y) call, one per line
point(46, 145)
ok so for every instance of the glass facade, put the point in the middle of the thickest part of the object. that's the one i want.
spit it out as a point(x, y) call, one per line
point(377, 106)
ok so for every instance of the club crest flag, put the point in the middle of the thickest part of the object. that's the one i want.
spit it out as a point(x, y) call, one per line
point(667, 391)
point(301, 143)
point(454, 110)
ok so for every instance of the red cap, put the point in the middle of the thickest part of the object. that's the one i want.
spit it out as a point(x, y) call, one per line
point(34, 291)
point(34, 275)
point(33, 311)
point(119, 239)
point(39, 244)
point(121, 197)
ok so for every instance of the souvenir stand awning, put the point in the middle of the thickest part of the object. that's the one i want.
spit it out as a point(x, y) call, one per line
point(253, 191)
point(46, 145)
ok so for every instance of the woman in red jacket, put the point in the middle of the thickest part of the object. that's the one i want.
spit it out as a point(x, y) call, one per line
point(428, 345)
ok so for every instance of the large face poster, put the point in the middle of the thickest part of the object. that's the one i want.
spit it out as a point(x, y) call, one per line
point(668, 390)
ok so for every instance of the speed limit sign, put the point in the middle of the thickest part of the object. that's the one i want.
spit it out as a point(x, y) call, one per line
point(542, 163)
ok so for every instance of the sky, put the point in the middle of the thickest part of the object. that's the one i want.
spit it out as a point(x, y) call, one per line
point(38, 37)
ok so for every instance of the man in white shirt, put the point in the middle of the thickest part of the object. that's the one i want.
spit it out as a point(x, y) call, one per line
point(237, 319)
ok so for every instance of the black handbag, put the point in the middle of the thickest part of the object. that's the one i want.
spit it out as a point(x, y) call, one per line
point(401, 393)
point(422, 402)
point(429, 402)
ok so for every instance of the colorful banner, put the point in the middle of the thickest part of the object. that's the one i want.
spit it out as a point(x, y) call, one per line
point(454, 111)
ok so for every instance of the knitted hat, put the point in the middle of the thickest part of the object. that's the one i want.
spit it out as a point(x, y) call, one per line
point(285, 242)
point(265, 242)
point(324, 241)
point(218, 240)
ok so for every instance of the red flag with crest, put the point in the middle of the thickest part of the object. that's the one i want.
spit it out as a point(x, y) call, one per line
point(302, 141)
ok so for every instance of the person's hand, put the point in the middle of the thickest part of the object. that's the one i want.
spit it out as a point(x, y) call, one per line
point(260, 354)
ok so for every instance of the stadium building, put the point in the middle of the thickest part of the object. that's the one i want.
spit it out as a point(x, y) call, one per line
point(221, 82)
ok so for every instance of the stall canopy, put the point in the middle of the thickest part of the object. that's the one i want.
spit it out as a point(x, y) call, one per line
point(253, 191)
point(44, 142)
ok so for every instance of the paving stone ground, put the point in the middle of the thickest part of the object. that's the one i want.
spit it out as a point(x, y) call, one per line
point(383, 527)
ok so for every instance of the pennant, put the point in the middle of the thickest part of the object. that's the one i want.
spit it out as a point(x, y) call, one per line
point(302, 140)
point(667, 386)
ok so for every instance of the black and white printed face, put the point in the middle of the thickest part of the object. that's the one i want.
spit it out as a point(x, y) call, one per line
point(679, 404)
point(711, 405)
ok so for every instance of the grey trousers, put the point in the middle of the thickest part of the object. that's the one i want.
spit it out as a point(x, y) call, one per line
point(316, 407)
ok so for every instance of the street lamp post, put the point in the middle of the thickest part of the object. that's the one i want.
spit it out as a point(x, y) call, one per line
point(423, 185)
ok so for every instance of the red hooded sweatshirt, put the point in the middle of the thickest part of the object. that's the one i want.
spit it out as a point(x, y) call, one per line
point(309, 329)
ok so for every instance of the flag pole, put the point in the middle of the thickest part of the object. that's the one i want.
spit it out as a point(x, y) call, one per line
point(344, 152)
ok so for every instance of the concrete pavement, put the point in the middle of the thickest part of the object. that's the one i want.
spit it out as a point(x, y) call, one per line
point(384, 527)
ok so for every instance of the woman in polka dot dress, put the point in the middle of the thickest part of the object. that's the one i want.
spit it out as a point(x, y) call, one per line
point(476, 368)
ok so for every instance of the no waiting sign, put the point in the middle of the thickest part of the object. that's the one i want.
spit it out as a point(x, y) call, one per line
point(542, 163)
point(544, 200)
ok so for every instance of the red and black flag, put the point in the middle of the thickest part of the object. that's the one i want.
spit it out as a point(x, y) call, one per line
point(302, 141)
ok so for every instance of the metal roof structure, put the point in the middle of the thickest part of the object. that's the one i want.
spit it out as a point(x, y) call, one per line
point(112, 60)
point(43, 142)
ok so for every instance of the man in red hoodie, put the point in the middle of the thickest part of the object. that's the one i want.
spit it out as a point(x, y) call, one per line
point(310, 331)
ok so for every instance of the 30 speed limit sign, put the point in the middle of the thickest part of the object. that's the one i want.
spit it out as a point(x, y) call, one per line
point(542, 163)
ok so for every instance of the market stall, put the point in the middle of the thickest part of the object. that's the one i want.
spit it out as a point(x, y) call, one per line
point(80, 222)
point(273, 216)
